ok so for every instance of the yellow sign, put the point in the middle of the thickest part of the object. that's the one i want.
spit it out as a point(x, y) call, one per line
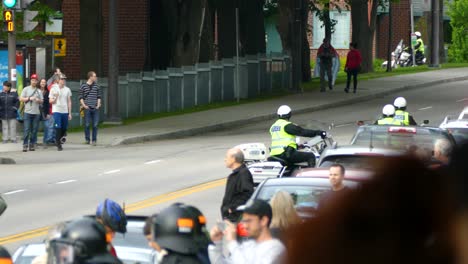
point(60, 45)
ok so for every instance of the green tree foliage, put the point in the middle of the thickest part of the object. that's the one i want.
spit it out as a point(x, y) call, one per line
point(458, 12)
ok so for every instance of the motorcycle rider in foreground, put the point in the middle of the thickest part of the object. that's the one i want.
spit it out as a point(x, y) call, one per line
point(283, 139)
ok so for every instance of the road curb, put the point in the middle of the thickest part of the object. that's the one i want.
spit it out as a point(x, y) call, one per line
point(7, 161)
point(224, 125)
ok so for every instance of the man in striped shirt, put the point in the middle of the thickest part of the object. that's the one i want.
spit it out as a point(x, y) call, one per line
point(90, 100)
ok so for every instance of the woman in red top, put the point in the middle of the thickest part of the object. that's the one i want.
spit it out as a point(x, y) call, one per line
point(353, 65)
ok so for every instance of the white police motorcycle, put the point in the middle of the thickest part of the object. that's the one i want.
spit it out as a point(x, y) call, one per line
point(263, 167)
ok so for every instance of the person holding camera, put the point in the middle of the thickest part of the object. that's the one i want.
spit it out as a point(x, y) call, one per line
point(32, 97)
point(261, 248)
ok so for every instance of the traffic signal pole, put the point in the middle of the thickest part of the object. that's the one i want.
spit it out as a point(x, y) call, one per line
point(12, 59)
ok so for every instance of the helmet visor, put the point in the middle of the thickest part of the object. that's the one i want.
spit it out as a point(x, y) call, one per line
point(60, 252)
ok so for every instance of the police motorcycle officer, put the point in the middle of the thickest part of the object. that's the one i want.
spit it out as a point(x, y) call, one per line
point(388, 117)
point(82, 241)
point(401, 114)
point(176, 232)
point(283, 139)
point(419, 49)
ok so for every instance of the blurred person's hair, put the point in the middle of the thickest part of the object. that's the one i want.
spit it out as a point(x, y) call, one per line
point(402, 215)
point(148, 224)
point(444, 146)
point(337, 165)
point(284, 213)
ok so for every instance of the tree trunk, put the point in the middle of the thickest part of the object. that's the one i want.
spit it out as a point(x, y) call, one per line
point(327, 21)
point(185, 18)
point(284, 26)
point(441, 33)
point(363, 30)
point(252, 27)
point(226, 12)
point(305, 56)
point(207, 38)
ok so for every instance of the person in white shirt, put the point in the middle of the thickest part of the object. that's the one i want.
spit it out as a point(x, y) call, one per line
point(261, 248)
point(60, 98)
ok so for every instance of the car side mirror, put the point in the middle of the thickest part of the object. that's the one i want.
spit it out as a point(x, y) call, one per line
point(426, 122)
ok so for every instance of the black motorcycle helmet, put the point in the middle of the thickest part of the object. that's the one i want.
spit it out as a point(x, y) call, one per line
point(80, 241)
point(174, 230)
point(201, 233)
point(5, 256)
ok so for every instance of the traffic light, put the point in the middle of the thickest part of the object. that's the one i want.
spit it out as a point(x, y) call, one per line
point(9, 3)
point(9, 21)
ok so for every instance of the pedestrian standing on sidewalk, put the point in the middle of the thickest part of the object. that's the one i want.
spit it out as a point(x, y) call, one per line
point(90, 100)
point(352, 66)
point(9, 104)
point(239, 185)
point(326, 53)
point(32, 98)
point(47, 120)
point(60, 98)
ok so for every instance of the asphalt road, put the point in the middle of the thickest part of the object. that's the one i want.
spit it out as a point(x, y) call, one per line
point(47, 186)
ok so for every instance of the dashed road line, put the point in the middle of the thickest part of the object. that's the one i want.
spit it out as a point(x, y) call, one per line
point(152, 162)
point(461, 100)
point(343, 125)
point(64, 182)
point(13, 192)
point(110, 172)
point(425, 108)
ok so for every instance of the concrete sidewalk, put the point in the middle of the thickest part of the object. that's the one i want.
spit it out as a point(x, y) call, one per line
point(222, 118)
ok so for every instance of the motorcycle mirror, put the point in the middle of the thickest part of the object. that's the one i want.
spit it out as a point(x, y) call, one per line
point(426, 122)
point(360, 123)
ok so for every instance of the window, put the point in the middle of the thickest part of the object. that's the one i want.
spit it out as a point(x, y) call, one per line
point(342, 35)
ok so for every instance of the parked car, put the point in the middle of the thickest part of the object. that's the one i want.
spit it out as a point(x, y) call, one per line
point(358, 157)
point(399, 137)
point(131, 248)
point(457, 126)
point(306, 191)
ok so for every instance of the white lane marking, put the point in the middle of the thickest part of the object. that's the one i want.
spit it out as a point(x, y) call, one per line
point(64, 182)
point(343, 125)
point(110, 172)
point(425, 108)
point(13, 192)
point(461, 100)
point(152, 162)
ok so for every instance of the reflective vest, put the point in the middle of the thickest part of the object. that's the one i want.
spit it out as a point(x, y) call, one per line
point(402, 116)
point(421, 47)
point(389, 121)
point(280, 139)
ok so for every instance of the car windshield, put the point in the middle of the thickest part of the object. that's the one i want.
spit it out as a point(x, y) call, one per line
point(350, 161)
point(133, 238)
point(460, 134)
point(307, 196)
point(398, 138)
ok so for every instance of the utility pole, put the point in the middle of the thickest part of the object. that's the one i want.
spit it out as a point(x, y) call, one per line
point(113, 94)
point(435, 35)
point(296, 46)
point(10, 26)
point(390, 33)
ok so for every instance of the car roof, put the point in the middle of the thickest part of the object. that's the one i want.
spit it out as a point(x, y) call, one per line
point(350, 174)
point(459, 123)
point(361, 150)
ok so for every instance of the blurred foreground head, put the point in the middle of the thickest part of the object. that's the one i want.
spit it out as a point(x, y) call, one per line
point(402, 215)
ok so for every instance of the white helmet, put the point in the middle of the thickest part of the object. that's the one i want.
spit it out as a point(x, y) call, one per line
point(400, 102)
point(418, 34)
point(388, 110)
point(284, 111)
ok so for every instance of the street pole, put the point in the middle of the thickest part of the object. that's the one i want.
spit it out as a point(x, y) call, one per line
point(12, 58)
point(412, 32)
point(435, 34)
point(389, 47)
point(237, 53)
point(113, 90)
